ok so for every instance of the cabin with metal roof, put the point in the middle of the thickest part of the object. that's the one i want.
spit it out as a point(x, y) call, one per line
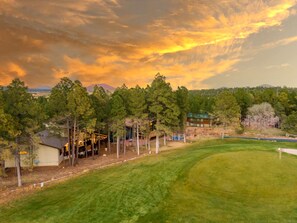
point(199, 120)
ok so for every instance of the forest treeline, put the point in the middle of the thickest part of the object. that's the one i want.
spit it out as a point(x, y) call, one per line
point(282, 99)
point(154, 111)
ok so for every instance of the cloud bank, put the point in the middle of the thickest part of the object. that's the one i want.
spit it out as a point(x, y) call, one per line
point(116, 42)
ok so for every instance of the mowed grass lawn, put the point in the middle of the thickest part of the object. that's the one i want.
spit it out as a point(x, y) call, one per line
point(213, 181)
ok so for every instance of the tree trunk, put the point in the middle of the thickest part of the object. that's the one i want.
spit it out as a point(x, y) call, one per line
point(86, 148)
point(157, 137)
point(92, 142)
point(123, 143)
point(223, 133)
point(149, 145)
point(164, 139)
point(73, 142)
point(3, 167)
point(133, 135)
point(18, 167)
point(185, 138)
point(62, 152)
point(137, 138)
point(124, 146)
point(69, 141)
point(99, 143)
point(31, 155)
point(77, 146)
point(108, 141)
point(157, 143)
point(118, 146)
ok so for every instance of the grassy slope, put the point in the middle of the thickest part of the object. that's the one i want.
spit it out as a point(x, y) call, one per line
point(164, 188)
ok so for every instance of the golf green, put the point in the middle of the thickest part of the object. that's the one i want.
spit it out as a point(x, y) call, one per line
point(212, 181)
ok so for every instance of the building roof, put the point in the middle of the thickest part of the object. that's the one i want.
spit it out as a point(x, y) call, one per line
point(199, 115)
point(52, 140)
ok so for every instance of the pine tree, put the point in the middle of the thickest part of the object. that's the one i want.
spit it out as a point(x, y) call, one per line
point(19, 106)
point(163, 107)
point(227, 110)
point(7, 133)
point(100, 100)
point(80, 109)
point(58, 110)
point(182, 96)
point(118, 114)
point(138, 110)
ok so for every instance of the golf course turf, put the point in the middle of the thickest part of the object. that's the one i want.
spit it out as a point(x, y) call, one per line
point(210, 181)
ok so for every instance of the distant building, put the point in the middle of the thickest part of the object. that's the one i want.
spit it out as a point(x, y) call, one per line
point(199, 120)
point(48, 153)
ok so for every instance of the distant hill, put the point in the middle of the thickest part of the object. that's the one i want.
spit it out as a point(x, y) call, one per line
point(89, 89)
point(37, 90)
point(265, 86)
point(105, 86)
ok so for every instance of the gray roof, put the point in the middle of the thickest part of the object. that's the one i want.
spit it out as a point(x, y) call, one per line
point(199, 115)
point(49, 139)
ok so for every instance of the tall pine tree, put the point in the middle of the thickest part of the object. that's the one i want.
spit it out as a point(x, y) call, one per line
point(163, 107)
point(138, 110)
point(118, 114)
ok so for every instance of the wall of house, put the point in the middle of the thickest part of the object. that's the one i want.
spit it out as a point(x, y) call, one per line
point(11, 162)
point(45, 156)
point(199, 122)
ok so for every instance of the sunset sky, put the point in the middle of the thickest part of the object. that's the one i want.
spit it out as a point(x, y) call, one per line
point(195, 43)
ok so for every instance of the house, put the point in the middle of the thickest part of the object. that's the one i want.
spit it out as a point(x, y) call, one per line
point(51, 148)
point(199, 120)
point(49, 151)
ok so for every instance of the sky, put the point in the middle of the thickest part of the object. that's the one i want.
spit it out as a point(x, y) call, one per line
point(198, 44)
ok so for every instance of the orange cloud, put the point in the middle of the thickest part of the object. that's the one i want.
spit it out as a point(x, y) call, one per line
point(106, 41)
point(10, 71)
point(16, 69)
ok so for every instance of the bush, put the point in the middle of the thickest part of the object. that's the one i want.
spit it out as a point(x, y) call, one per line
point(240, 129)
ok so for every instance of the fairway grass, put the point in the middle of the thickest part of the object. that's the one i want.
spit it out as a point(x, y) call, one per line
point(212, 181)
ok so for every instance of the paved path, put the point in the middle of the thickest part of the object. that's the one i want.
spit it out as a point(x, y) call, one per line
point(262, 138)
point(290, 151)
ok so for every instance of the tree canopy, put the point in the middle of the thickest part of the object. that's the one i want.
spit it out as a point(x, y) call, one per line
point(226, 109)
point(162, 106)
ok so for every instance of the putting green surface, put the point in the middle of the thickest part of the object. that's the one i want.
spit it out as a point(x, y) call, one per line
point(214, 181)
point(251, 174)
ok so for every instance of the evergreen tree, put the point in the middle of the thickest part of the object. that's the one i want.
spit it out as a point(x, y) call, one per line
point(244, 100)
point(118, 114)
point(80, 109)
point(100, 100)
point(227, 110)
point(163, 106)
point(19, 107)
point(138, 110)
point(58, 98)
point(58, 110)
point(182, 96)
point(7, 133)
point(290, 123)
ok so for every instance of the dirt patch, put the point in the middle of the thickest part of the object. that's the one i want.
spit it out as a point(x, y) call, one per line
point(198, 133)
